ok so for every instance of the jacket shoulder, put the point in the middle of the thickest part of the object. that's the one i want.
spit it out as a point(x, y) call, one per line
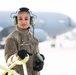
point(13, 34)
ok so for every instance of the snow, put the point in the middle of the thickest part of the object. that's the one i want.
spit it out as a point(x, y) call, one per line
point(58, 60)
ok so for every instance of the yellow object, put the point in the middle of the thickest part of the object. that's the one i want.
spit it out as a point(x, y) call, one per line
point(17, 62)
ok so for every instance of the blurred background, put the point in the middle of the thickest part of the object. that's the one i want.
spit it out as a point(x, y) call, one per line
point(55, 27)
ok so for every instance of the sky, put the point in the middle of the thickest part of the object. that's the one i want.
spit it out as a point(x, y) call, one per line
point(66, 7)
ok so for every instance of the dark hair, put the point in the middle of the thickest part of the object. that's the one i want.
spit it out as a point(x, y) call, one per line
point(24, 9)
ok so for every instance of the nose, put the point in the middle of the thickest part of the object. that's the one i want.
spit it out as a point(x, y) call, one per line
point(23, 21)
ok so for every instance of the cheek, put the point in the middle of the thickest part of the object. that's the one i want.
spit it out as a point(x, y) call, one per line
point(19, 22)
point(29, 22)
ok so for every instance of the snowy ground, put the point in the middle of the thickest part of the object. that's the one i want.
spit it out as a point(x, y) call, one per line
point(58, 61)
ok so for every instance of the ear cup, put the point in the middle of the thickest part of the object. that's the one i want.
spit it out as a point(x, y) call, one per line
point(32, 20)
point(14, 19)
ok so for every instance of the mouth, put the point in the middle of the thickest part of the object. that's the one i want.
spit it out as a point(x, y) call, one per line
point(23, 25)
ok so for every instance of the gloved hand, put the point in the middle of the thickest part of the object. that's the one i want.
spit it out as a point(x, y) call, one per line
point(38, 64)
point(22, 53)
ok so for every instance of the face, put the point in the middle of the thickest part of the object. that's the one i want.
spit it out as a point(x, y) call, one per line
point(23, 19)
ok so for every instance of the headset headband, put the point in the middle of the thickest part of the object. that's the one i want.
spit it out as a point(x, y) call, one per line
point(24, 9)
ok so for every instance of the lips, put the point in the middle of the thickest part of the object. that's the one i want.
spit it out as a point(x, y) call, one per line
point(23, 25)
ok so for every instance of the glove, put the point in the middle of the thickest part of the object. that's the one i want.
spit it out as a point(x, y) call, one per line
point(38, 64)
point(22, 53)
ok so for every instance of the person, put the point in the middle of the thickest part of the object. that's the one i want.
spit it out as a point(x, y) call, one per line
point(22, 42)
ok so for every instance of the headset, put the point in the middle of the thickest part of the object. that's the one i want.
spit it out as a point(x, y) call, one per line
point(24, 9)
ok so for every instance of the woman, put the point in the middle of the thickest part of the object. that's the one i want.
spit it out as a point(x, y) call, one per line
point(21, 41)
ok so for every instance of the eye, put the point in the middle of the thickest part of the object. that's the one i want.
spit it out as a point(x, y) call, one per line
point(20, 18)
point(26, 19)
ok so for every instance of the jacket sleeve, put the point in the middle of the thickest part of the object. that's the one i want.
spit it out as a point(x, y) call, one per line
point(10, 50)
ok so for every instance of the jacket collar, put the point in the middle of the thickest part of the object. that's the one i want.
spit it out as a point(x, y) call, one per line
point(24, 31)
